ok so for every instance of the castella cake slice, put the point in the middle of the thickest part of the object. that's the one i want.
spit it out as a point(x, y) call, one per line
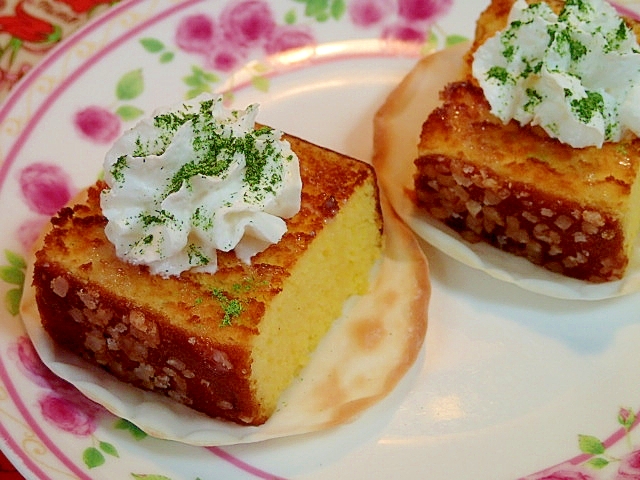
point(570, 209)
point(226, 342)
point(361, 360)
point(575, 214)
point(541, 184)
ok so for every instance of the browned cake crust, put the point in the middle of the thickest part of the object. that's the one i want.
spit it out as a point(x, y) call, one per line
point(514, 187)
point(173, 340)
point(490, 182)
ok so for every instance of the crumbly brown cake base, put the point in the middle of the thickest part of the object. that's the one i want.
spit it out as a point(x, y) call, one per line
point(562, 236)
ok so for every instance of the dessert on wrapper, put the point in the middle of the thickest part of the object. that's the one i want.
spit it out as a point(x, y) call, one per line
point(212, 276)
point(531, 146)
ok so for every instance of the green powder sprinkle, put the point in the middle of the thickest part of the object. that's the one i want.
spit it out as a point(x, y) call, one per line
point(585, 108)
point(509, 52)
point(140, 150)
point(534, 99)
point(500, 74)
point(232, 308)
point(201, 219)
point(160, 218)
point(117, 170)
point(196, 257)
point(615, 40)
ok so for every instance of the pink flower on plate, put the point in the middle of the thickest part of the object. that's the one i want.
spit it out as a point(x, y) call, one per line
point(68, 414)
point(45, 187)
point(247, 23)
point(97, 124)
point(629, 468)
point(626, 418)
point(366, 13)
point(287, 37)
point(421, 10)
point(29, 231)
point(196, 33)
point(62, 404)
point(225, 56)
point(403, 32)
point(30, 364)
point(564, 474)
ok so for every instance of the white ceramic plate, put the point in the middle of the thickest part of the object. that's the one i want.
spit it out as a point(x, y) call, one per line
point(510, 384)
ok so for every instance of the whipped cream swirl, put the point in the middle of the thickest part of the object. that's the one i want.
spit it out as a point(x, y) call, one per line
point(576, 74)
point(194, 179)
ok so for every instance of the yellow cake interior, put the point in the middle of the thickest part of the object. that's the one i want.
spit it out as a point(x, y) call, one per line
point(317, 298)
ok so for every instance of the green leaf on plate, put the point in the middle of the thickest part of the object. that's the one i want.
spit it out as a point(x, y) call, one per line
point(208, 76)
point(590, 444)
point(598, 463)
point(260, 67)
point(12, 301)
point(454, 39)
point(290, 17)
point(430, 44)
point(129, 112)
point(199, 80)
point(135, 432)
point(338, 7)
point(92, 457)
point(109, 449)
point(11, 274)
point(193, 81)
point(316, 8)
point(15, 259)
point(152, 45)
point(130, 85)
point(166, 57)
point(260, 83)
point(194, 92)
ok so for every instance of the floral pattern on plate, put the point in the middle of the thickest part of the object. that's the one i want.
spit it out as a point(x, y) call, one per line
point(47, 410)
point(215, 43)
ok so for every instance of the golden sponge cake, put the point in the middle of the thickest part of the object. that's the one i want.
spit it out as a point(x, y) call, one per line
point(572, 211)
point(226, 344)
